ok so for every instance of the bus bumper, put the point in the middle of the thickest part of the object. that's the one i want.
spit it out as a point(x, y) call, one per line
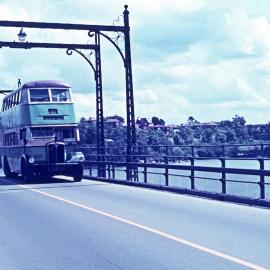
point(56, 168)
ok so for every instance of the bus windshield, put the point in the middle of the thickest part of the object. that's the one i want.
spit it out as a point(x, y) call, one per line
point(61, 133)
point(39, 95)
point(42, 132)
point(60, 95)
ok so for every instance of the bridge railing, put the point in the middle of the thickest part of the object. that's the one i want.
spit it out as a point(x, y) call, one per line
point(244, 182)
point(224, 176)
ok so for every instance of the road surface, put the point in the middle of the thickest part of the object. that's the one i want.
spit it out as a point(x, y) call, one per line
point(60, 224)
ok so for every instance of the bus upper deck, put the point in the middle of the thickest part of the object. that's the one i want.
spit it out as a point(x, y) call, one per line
point(38, 103)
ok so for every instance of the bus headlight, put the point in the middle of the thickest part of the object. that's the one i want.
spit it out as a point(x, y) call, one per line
point(75, 157)
point(31, 160)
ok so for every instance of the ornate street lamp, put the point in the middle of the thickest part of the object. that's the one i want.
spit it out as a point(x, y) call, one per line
point(22, 35)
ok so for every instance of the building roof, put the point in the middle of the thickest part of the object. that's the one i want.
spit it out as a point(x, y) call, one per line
point(112, 120)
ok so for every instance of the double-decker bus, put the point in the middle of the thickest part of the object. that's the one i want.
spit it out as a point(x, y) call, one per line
point(39, 133)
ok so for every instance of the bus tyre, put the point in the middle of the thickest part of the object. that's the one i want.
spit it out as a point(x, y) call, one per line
point(26, 172)
point(7, 170)
point(78, 176)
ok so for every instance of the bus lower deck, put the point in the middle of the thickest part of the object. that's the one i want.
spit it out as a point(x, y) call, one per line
point(38, 132)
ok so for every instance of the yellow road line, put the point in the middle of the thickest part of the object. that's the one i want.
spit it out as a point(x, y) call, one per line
point(155, 231)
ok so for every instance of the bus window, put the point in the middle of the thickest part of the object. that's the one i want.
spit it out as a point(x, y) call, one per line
point(3, 105)
point(22, 133)
point(8, 103)
point(5, 140)
point(19, 97)
point(68, 133)
point(64, 133)
point(12, 138)
point(8, 139)
point(16, 98)
point(61, 95)
point(24, 96)
point(15, 138)
point(39, 95)
point(12, 100)
point(42, 132)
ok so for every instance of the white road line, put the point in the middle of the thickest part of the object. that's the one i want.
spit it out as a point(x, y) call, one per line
point(155, 231)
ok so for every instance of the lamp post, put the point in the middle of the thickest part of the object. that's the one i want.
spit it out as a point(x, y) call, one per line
point(22, 35)
point(126, 57)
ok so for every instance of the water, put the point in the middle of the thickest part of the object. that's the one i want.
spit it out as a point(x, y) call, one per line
point(240, 185)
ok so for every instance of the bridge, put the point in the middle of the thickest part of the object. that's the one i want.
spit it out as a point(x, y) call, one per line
point(134, 210)
point(100, 223)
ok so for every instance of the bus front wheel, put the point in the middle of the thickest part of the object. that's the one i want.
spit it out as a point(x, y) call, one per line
point(78, 176)
point(26, 172)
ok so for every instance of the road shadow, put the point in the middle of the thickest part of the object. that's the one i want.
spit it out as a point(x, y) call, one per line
point(17, 183)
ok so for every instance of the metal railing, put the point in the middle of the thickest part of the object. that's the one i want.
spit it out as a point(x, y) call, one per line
point(239, 177)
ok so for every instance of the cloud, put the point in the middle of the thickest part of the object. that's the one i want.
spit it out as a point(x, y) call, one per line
point(203, 58)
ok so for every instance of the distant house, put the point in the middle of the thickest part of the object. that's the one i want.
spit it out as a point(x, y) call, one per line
point(165, 128)
point(110, 122)
point(142, 123)
point(90, 122)
point(203, 125)
point(259, 131)
point(113, 123)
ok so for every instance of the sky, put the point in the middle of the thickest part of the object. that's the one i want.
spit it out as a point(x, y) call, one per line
point(209, 59)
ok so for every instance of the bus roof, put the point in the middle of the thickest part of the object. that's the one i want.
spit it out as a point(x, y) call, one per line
point(45, 83)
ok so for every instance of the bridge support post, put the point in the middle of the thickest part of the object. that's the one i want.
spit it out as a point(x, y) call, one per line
point(99, 110)
point(192, 173)
point(262, 179)
point(166, 161)
point(131, 131)
point(223, 175)
point(145, 169)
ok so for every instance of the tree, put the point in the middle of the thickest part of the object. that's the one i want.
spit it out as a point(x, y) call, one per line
point(155, 120)
point(87, 134)
point(191, 121)
point(231, 135)
point(161, 122)
point(176, 140)
point(238, 120)
point(221, 137)
point(225, 123)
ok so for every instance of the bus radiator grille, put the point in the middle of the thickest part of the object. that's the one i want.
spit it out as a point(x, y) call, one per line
point(56, 153)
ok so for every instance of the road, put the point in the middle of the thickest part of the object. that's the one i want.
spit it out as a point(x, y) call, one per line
point(60, 224)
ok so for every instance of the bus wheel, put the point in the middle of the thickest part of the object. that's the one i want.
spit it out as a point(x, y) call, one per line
point(78, 176)
point(26, 172)
point(7, 171)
